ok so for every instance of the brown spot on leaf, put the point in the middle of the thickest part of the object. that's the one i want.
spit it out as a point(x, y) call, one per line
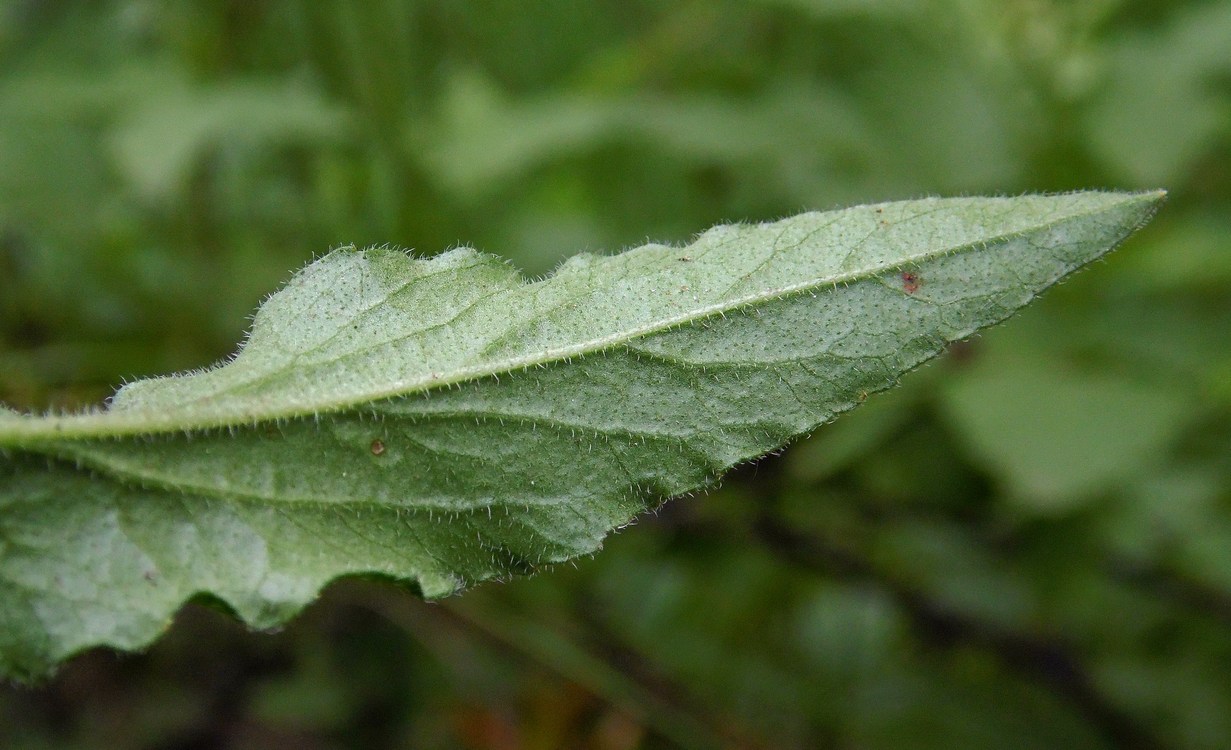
point(378, 447)
point(910, 282)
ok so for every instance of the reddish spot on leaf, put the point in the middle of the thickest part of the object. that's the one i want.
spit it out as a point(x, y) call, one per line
point(378, 447)
point(910, 282)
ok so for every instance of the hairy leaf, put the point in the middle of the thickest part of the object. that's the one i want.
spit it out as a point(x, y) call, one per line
point(443, 421)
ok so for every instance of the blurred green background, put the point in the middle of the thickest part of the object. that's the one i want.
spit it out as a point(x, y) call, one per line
point(1027, 545)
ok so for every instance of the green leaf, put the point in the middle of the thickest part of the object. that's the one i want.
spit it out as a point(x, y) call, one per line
point(162, 139)
point(443, 421)
point(1057, 437)
point(482, 140)
point(1162, 107)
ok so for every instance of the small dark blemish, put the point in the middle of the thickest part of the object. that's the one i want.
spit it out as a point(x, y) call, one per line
point(910, 282)
point(685, 258)
point(378, 447)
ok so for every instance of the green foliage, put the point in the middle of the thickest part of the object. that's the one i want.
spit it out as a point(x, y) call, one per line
point(902, 578)
point(365, 426)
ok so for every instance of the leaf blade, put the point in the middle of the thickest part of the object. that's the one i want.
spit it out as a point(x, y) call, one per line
point(591, 303)
point(607, 399)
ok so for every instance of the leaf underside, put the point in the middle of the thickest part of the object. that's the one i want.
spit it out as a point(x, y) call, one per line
point(443, 421)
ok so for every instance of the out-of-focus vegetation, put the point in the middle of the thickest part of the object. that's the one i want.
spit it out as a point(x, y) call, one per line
point(1026, 545)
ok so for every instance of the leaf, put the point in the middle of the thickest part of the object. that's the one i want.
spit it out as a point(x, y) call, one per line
point(158, 144)
point(443, 421)
point(1162, 106)
point(1058, 437)
point(482, 140)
